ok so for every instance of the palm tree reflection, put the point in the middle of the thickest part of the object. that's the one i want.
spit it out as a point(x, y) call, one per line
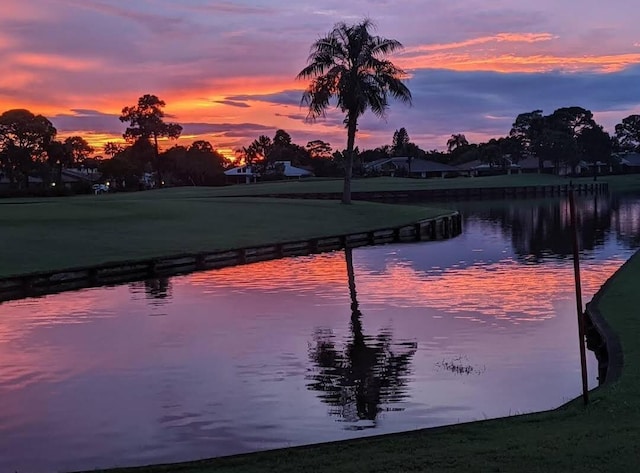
point(157, 290)
point(365, 377)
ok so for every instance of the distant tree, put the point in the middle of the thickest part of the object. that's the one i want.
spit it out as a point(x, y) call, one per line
point(511, 148)
point(573, 119)
point(400, 144)
point(284, 149)
point(319, 149)
point(58, 156)
point(197, 165)
point(79, 149)
point(527, 130)
point(24, 138)
point(122, 169)
point(595, 146)
point(203, 164)
point(381, 152)
point(282, 138)
point(457, 140)
point(491, 153)
point(258, 153)
point(628, 133)
point(350, 64)
point(146, 123)
point(112, 149)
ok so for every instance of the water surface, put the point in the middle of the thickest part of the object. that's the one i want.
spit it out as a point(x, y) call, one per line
point(302, 350)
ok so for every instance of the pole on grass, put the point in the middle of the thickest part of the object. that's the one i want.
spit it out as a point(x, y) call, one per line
point(576, 272)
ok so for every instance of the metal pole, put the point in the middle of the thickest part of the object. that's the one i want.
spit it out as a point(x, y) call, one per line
point(576, 272)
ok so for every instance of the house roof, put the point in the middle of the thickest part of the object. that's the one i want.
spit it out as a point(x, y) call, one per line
point(75, 175)
point(422, 165)
point(630, 159)
point(417, 164)
point(239, 171)
point(289, 170)
point(469, 165)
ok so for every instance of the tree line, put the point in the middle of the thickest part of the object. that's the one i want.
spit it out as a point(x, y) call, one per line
point(28, 147)
point(349, 67)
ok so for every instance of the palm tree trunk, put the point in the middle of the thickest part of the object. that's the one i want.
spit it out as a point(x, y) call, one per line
point(352, 123)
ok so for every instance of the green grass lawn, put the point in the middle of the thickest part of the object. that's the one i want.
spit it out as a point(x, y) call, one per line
point(604, 436)
point(58, 233)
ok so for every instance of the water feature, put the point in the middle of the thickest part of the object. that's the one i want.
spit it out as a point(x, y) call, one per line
point(310, 349)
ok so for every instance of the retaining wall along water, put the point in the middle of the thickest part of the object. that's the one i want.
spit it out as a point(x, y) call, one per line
point(46, 282)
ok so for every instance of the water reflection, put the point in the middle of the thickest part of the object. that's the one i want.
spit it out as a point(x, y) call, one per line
point(253, 357)
point(365, 377)
point(538, 229)
point(156, 290)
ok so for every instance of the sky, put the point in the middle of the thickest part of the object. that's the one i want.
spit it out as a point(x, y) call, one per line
point(226, 69)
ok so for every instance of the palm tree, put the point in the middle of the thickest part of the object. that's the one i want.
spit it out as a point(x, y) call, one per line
point(456, 141)
point(349, 64)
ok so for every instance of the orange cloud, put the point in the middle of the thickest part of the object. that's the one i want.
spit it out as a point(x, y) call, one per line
point(498, 38)
point(468, 55)
point(520, 63)
point(54, 61)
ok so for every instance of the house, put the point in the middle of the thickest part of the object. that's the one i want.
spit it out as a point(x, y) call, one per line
point(479, 168)
point(34, 182)
point(531, 165)
point(249, 173)
point(78, 178)
point(412, 167)
point(630, 161)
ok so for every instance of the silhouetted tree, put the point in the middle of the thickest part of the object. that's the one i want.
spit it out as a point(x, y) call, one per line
point(111, 149)
point(457, 140)
point(628, 132)
point(146, 123)
point(400, 144)
point(595, 146)
point(350, 64)
point(24, 138)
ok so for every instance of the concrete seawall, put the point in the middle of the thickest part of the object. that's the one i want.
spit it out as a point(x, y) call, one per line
point(46, 282)
point(602, 339)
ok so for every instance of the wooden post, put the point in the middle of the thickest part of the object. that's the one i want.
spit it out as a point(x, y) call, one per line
point(576, 272)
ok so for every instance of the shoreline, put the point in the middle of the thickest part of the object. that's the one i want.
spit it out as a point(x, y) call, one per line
point(444, 226)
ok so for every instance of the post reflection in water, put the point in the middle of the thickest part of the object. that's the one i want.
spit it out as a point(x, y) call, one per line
point(365, 377)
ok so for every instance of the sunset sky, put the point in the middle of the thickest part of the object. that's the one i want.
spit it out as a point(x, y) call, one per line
point(227, 68)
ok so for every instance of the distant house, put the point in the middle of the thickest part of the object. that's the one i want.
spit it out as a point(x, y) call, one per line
point(531, 165)
point(248, 173)
point(630, 161)
point(34, 182)
point(478, 168)
point(77, 178)
point(412, 167)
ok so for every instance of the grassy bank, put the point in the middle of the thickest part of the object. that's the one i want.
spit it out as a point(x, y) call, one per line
point(58, 233)
point(603, 436)
point(616, 183)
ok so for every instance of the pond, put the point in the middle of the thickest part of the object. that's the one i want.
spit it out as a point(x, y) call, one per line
point(309, 349)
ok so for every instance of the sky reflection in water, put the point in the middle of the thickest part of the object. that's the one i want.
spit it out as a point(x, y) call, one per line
point(289, 352)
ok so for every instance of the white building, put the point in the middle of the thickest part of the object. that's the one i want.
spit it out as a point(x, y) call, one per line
point(249, 174)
